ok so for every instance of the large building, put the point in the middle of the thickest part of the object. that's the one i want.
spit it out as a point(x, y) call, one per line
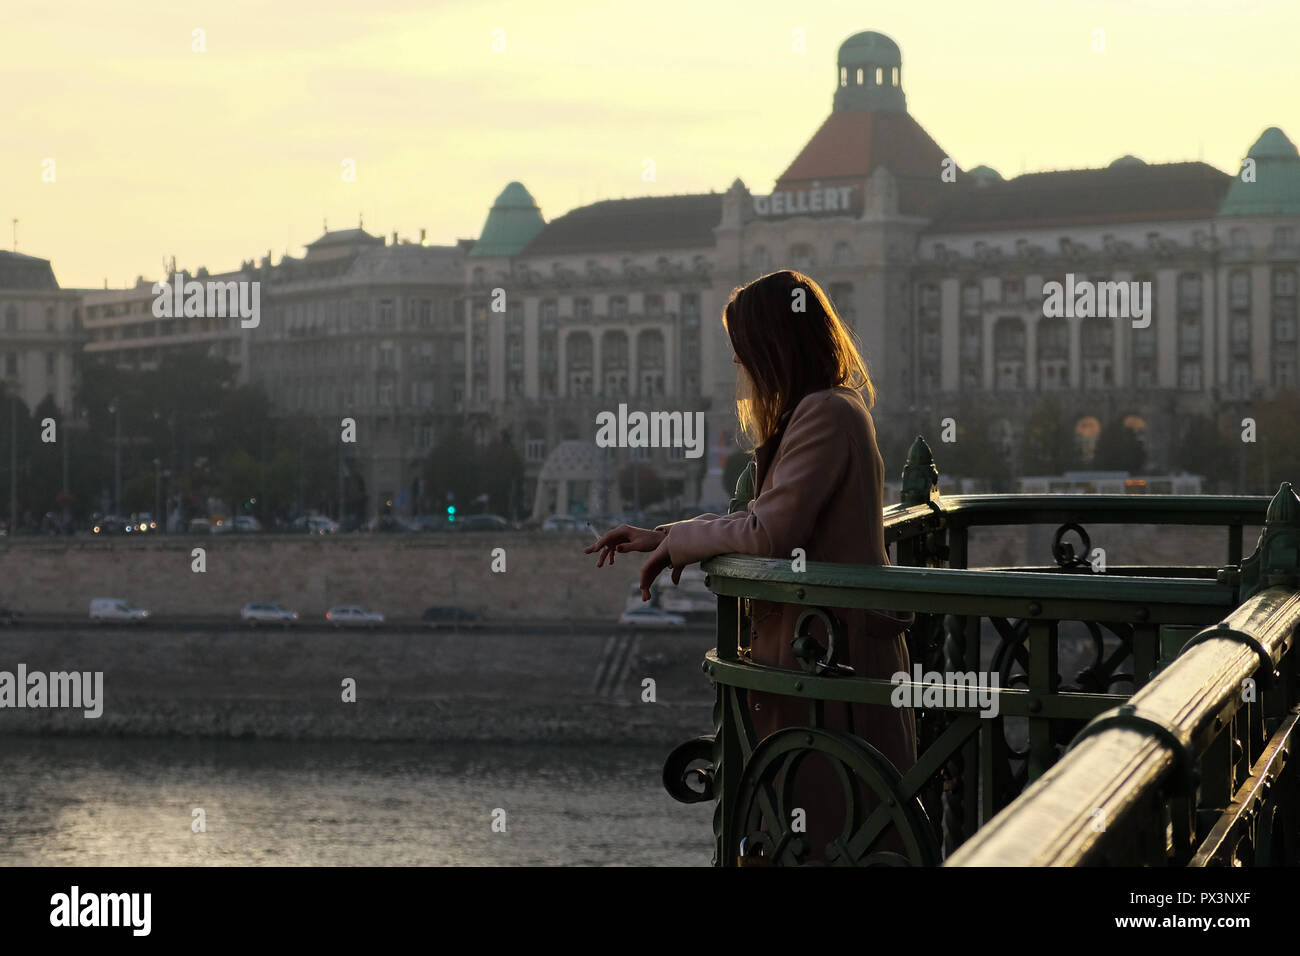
point(536, 328)
point(371, 331)
point(610, 304)
point(121, 326)
point(40, 333)
point(940, 271)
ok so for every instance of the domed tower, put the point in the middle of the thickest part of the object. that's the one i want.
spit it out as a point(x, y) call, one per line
point(513, 222)
point(870, 75)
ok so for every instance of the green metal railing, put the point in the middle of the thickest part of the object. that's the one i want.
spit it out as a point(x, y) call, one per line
point(1124, 627)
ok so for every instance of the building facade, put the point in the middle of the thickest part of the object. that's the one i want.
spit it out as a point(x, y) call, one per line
point(40, 333)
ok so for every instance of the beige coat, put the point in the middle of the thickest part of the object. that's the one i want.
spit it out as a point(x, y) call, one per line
point(821, 492)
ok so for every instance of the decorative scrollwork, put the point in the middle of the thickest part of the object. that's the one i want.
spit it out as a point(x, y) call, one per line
point(812, 657)
point(680, 771)
point(1063, 551)
point(878, 820)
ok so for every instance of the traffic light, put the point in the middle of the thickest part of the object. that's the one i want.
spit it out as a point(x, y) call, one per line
point(451, 514)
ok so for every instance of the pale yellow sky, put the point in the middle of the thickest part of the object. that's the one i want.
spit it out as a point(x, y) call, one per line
point(223, 155)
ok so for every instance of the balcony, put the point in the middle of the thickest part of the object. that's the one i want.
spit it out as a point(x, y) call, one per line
point(1185, 769)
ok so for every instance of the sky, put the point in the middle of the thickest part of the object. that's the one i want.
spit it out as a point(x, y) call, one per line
point(158, 148)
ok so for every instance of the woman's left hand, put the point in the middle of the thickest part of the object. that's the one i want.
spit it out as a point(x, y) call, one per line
point(654, 566)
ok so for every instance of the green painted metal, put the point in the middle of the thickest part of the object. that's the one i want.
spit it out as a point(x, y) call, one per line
point(972, 767)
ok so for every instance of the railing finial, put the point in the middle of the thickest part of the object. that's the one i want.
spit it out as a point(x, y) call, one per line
point(920, 475)
point(1276, 560)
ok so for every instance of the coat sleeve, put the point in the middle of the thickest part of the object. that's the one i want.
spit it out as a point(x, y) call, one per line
point(808, 469)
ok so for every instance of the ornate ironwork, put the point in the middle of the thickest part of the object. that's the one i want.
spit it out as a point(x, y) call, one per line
point(768, 813)
point(1115, 632)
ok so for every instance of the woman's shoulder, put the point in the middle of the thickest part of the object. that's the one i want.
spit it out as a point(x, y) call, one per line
point(840, 403)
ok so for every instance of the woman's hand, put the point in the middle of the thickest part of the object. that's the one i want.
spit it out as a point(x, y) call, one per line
point(655, 565)
point(625, 538)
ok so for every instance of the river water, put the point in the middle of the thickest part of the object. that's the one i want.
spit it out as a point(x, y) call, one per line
point(131, 802)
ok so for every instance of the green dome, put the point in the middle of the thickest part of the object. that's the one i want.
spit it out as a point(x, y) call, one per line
point(1273, 144)
point(512, 223)
point(870, 47)
point(985, 174)
point(1276, 187)
point(863, 56)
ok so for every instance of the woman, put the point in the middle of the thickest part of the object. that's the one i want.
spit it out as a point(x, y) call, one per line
point(804, 394)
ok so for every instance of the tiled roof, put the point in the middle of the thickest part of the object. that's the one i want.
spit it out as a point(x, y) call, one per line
point(18, 271)
point(1125, 192)
point(651, 222)
point(850, 145)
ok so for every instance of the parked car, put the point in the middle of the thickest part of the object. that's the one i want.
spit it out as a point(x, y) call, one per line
point(650, 616)
point(200, 526)
point(437, 615)
point(247, 523)
point(108, 524)
point(222, 526)
point(563, 523)
point(116, 609)
point(8, 617)
point(314, 524)
point(353, 615)
point(266, 612)
point(483, 523)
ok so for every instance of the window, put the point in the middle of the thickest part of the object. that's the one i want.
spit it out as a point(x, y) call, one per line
point(11, 319)
point(1189, 376)
point(929, 298)
point(1239, 289)
point(582, 309)
point(1240, 376)
point(49, 364)
point(11, 363)
point(618, 307)
point(1284, 282)
point(970, 299)
point(1284, 371)
point(801, 256)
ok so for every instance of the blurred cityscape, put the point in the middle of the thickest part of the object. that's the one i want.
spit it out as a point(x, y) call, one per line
point(473, 373)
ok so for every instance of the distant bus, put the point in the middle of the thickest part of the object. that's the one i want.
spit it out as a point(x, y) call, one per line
point(1110, 483)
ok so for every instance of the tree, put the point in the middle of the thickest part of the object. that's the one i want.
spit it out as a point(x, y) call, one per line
point(1119, 448)
point(1049, 446)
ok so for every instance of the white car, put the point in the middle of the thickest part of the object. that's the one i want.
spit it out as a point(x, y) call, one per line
point(353, 615)
point(650, 616)
point(266, 612)
point(115, 609)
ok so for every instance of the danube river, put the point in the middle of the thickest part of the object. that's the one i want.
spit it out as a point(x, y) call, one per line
point(125, 802)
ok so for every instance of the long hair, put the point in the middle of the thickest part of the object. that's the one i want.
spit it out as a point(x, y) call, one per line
point(790, 343)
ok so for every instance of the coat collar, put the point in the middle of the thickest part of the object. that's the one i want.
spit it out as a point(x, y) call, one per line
point(766, 452)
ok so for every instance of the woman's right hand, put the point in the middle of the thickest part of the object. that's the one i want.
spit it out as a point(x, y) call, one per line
point(625, 538)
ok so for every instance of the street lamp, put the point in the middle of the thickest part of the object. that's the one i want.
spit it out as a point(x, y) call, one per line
point(115, 411)
point(157, 490)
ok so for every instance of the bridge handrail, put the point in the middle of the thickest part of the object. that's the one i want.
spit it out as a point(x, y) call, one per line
point(1151, 744)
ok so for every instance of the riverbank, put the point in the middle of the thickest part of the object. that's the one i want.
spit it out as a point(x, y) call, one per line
point(431, 686)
